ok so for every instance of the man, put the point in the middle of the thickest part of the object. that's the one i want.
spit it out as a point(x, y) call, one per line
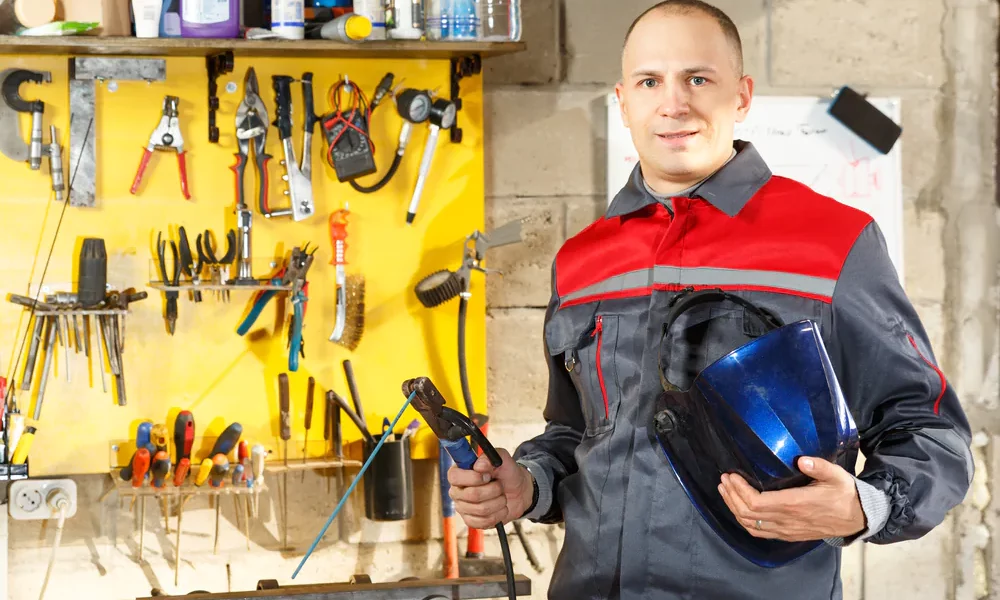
point(704, 211)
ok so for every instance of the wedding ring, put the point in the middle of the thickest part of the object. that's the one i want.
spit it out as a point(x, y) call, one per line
point(757, 524)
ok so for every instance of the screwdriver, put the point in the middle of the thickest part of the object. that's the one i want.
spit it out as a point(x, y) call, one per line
point(309, 414)
point(246, 474)
point(183, 437)
point(159, 437)
point(159, 471)
point(338, 451)
point(140, 466)
point(220, 466)
point(203, 472)
point(239, 476)
point(286, 434)
point(258, 455)
point(227, 440)
point(327, 420)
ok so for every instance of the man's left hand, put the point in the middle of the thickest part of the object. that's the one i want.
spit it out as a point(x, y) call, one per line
point(826, 508)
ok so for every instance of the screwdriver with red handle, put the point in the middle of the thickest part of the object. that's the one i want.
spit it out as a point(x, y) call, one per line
point(140, 466)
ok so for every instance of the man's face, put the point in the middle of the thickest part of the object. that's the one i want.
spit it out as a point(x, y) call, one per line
point(680, 96)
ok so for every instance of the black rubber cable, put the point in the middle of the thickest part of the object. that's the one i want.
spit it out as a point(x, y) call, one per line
point(382, 182)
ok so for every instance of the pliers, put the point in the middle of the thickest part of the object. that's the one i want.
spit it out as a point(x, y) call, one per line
point(219, 266)
point(191, 269)
point(252, 125)
point(166, 136)
point(161, 251)
point(292, 275)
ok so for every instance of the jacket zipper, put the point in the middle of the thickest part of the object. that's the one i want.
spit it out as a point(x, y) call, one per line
point(599, 332)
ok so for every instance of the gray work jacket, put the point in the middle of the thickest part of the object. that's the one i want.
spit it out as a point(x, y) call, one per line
point(631, 532)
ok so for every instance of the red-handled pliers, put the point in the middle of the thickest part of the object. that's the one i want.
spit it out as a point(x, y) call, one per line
point(167, 135)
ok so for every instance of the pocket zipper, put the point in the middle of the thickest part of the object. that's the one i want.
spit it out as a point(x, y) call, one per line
point(599, 332)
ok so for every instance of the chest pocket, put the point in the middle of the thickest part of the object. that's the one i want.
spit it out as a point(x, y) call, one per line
point(588, 348)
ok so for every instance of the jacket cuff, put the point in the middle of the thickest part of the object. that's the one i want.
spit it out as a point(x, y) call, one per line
point(875, 505)
point(544, 482)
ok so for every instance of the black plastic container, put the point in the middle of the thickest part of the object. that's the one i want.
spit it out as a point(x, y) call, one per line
point(93, 276)
point(389, 481)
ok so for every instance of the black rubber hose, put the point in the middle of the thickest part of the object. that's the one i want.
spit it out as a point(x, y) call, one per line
point(385, 178)
point(463, 307)
point(507, 562)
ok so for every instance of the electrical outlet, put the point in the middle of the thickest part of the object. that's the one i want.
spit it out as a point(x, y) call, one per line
point(37, 498)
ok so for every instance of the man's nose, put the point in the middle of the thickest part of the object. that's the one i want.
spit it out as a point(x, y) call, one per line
point(675, 102)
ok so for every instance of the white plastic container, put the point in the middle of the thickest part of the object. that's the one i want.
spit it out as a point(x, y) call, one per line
point(500, 20)
point(404, 19)
point(374, 11)
point(288, 19)
point(147, 17)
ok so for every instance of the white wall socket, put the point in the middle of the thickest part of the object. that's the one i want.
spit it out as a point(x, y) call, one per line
point(35, 498)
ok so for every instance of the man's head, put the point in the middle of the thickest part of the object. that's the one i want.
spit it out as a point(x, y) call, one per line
point(682, 91)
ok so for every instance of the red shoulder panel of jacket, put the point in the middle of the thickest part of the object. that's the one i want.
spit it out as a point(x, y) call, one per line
point(786, 228)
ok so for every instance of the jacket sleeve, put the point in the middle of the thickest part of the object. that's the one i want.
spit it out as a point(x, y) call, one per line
point(914, 434)
point(550, 456)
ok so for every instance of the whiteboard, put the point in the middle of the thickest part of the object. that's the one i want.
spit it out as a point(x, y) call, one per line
point(798, 139)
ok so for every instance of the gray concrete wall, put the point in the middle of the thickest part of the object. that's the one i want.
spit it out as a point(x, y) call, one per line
point(545, 159)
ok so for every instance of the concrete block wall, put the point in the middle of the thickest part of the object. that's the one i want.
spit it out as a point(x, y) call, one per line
point(545, 160)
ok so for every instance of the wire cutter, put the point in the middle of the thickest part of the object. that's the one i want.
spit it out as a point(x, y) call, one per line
point(191, 269)
point(161, 251)
point(166, 136)
point(252, 125)
point(293, 276)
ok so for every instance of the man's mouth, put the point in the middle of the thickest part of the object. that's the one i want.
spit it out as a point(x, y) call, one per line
point(676, 135)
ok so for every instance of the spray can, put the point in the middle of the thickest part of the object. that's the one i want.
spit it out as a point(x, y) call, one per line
point(347, 28)
point(288, 19)
point(210, 18)
point(374, 11)
point(404, 19)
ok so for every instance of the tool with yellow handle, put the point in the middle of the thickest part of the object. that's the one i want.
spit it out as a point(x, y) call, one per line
point(203, 472)
point(23, 446)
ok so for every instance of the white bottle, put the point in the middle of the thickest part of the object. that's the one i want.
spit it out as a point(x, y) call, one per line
point(288, 19)
point(374, 11)
point(146, 14)
point(407, 21)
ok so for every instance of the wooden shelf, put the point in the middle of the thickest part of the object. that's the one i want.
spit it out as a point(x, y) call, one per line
point(130, 46)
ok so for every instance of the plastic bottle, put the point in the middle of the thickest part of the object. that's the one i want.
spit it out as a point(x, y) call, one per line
point(374, 11)
point(288, 19)
point(347, 28)
point(170, 19)
point(501, 20)
point(146, 14)
point(210, 18)
point(404, 19)
point(453, 20)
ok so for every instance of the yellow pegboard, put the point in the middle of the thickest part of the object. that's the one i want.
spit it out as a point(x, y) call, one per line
point(206, 367)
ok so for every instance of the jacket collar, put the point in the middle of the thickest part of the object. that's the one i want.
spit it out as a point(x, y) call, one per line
point(729, 189)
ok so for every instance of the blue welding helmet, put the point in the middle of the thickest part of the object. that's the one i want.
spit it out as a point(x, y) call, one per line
point(755, 411)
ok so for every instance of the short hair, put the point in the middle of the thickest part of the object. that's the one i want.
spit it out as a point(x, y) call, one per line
point(729, 28)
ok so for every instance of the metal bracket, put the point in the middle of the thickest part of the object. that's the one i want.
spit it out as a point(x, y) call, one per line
point(85, 73)
point(462, 67)
point(217, 65)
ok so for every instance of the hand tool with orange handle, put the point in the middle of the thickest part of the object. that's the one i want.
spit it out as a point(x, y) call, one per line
point(349, 323)
point(166, 136)
point(159, 470)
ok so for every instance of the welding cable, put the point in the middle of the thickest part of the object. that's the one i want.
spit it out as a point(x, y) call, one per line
point(350, 488)
point(62, 503)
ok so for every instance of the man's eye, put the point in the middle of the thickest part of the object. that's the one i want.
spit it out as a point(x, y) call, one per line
point(648, 83)
point(699, 80)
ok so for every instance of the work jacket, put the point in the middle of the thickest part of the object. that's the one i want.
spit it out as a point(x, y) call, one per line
point(631, 532)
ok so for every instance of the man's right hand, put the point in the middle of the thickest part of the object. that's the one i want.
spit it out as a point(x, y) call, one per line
point(485, 496)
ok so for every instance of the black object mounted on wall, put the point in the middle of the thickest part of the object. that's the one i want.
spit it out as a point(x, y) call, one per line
point(859, 115)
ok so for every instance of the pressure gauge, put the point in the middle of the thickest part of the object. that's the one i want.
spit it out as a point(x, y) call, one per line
point(443, 113)
point(414, 105)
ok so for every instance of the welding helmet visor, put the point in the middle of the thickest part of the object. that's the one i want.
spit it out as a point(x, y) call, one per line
point(754, 412)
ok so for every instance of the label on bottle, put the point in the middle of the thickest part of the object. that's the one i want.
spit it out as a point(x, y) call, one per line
point(205, 12)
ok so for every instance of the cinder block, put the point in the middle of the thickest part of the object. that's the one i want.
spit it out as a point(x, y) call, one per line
point(516, 374)
point(581, 212)
point(540, 62)
point(926, 275)
point(862, 42)
point(545, 142)
point(921, 568)
point(921, 144)
point(595, 34)
point(852, 571)
point(526, 268)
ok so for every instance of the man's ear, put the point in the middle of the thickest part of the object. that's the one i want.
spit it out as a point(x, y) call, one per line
point(620, 94)
point(745, 97)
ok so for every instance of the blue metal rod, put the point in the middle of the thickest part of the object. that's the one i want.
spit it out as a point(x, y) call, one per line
point(354, 483)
